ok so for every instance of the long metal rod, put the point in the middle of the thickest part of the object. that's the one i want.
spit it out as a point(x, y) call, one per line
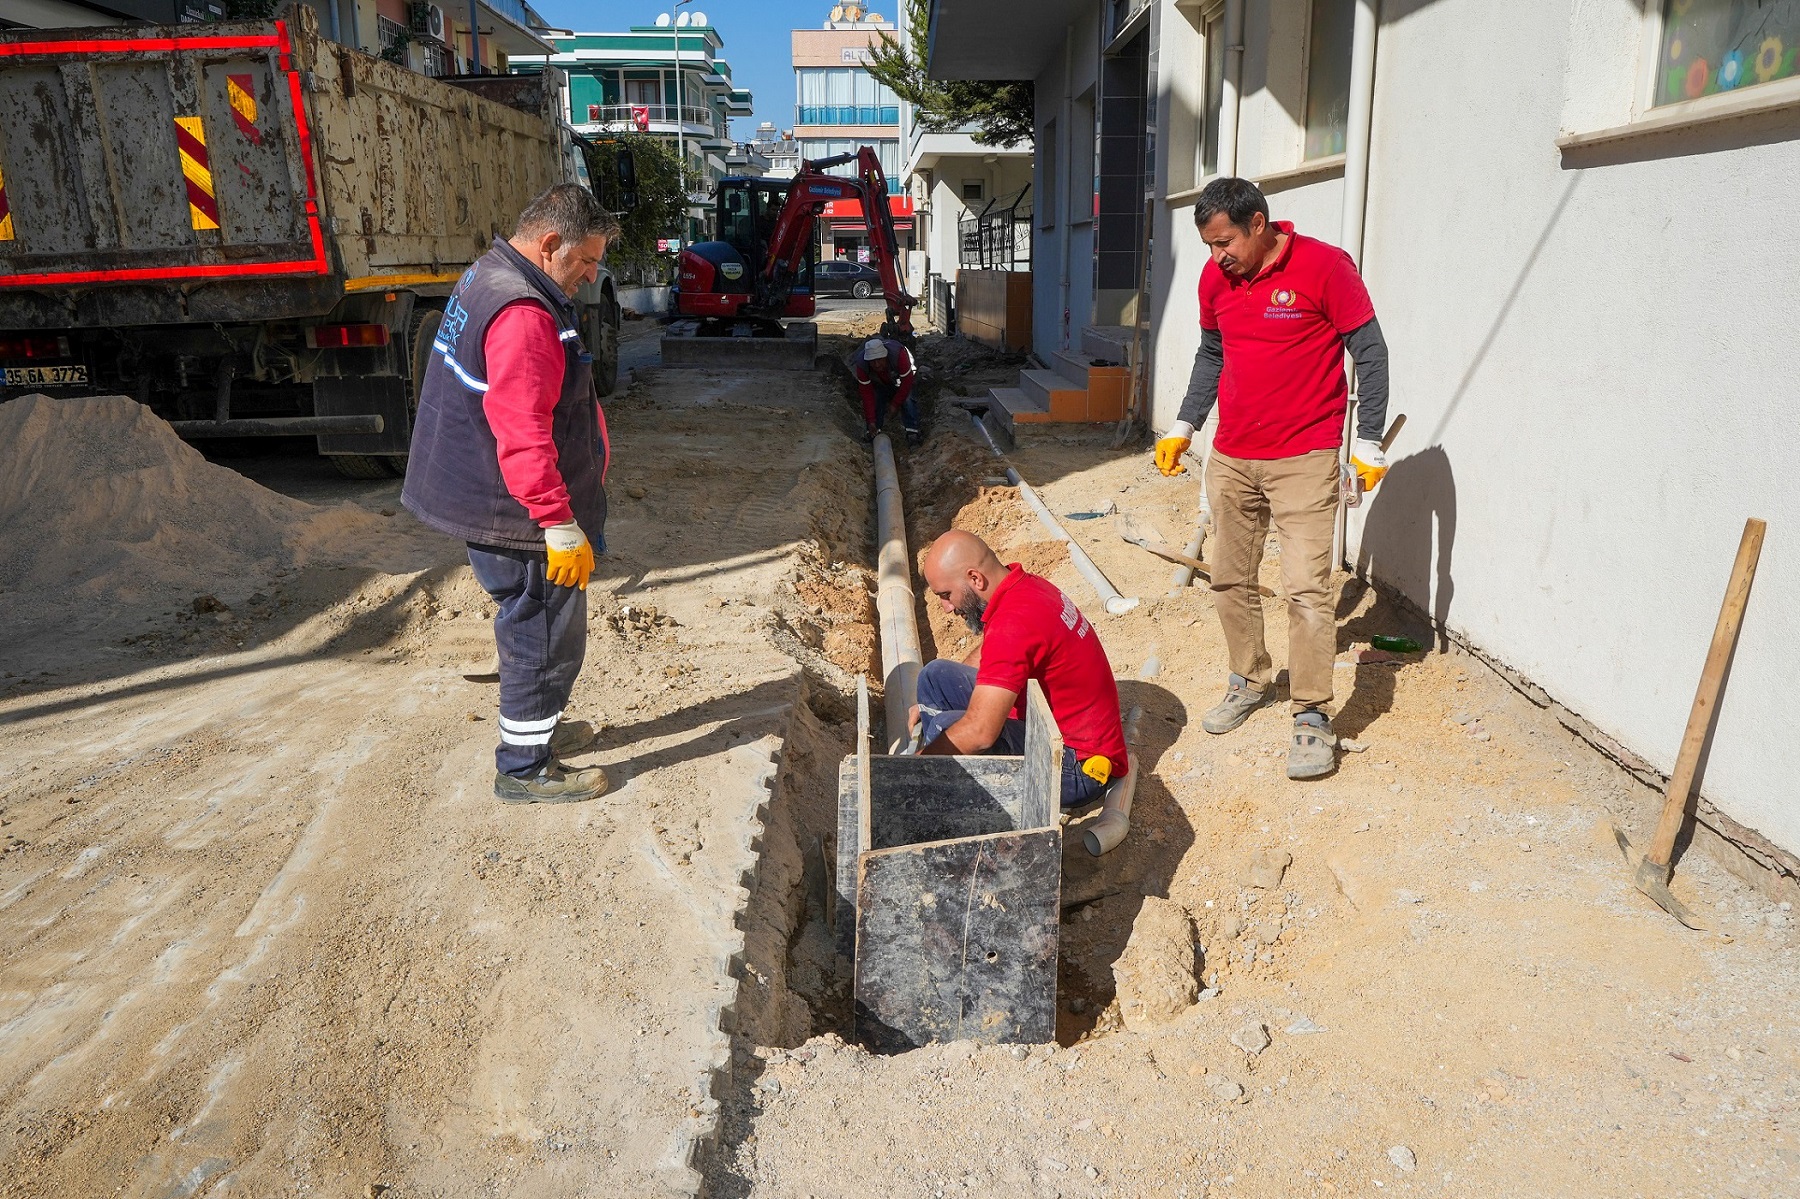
point(1358, 124)
point(1115, 604)
point(901, 658)
point(278, 426)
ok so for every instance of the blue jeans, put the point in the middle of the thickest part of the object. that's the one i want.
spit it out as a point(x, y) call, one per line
point(944, 691)
point(540, 631)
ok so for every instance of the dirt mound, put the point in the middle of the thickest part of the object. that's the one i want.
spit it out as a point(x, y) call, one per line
point(100, 497)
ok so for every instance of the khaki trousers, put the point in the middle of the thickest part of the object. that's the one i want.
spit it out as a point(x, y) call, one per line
point(1300, 494)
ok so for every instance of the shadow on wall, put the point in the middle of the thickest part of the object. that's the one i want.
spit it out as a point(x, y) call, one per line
point(1409, 539)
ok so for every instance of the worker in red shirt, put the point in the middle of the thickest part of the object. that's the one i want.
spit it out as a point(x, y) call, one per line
point(1277, 311)
point(883, 369)
point(509, 454)
point(1030, 630)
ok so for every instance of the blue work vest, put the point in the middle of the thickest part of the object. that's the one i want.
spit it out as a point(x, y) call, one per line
point(453, 480)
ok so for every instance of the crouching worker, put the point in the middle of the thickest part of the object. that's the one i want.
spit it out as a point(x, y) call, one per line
point(883, 370)
point(1030, 630)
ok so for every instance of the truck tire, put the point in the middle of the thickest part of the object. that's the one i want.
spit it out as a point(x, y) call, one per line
point(602, 337)
point(361, 466)
point(421, 332)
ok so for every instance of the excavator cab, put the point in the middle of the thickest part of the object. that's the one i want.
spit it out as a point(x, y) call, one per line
point(745, 212)
point(719, 277)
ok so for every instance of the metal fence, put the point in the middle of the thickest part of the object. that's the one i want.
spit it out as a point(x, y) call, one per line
point(940, 302)
point(848, 114)
point(997, 237)
point(625, 115)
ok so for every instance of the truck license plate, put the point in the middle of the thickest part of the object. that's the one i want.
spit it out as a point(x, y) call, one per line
point(45, 376)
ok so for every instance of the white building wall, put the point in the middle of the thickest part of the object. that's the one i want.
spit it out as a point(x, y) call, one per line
point(1596, 354)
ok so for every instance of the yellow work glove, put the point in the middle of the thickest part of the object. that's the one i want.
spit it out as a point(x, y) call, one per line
point(1369, 461)
point(1168, 455)
point(571, 557)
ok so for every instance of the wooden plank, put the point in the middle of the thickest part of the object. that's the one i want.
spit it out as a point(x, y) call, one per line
point(843, 908)
point(936, 798)
point(1706, 696)
point(957, 940)
point(1040, 777)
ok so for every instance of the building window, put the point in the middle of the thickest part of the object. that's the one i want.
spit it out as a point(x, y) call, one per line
point(974, 191)
point(643, 92)
point(1332, 27)
point(843, 96)
point(1712, 46)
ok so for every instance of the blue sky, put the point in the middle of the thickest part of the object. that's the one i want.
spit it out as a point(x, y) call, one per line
point(755, 34)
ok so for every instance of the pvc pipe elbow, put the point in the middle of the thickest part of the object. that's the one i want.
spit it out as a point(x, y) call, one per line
point(1106, 832)
point(1118, 605)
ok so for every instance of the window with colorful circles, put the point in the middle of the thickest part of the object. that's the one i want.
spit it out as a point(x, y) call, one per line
point(1713, 46)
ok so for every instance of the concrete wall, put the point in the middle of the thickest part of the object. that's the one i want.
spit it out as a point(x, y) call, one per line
point(1060, 315)
point(1596, 353)
point(1011, 171)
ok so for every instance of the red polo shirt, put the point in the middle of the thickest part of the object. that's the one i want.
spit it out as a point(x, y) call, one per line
point(1283, 391)
point(1034, 631)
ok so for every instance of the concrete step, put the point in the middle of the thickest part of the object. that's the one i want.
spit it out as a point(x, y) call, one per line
point(1110, 342)
point(1050, 389)
point(1012, 407)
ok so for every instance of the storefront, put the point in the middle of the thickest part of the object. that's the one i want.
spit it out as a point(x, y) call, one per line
point(844, 233)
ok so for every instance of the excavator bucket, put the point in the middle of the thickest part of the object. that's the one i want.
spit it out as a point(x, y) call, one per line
point(684, 345)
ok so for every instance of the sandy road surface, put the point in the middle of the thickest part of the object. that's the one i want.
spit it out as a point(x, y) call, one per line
point(1462, 993)
point(263, 928)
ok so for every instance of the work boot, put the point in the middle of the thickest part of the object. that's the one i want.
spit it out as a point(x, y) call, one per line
point(914, 438)
point(868, 434)
point(553, 783)
point(1313, 751)
point(572, 737)
point(1235, 708)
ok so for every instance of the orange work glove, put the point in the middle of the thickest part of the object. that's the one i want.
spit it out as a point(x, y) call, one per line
point(1168, 455)
point(571, 556)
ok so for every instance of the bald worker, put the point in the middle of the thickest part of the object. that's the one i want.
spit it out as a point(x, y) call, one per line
point(1029, 630)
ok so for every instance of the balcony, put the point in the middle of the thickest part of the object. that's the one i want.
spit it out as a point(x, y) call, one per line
point(695, 120)
point(847, 114)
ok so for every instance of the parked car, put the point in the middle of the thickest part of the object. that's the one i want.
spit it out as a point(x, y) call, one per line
point(841, 277)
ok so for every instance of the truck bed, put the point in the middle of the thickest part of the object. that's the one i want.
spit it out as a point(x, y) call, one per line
point(243, 171)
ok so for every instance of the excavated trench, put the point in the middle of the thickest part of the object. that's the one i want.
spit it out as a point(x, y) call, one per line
point(792, 985)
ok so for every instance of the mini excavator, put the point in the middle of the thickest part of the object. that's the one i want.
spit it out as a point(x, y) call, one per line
point(734, 293)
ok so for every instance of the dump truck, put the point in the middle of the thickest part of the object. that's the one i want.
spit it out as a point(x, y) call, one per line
point(253, 229)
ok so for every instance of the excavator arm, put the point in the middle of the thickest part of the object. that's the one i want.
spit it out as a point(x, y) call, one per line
point(791, 240)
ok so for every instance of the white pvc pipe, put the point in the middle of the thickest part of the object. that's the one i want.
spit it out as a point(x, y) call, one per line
point(1357, 126)
point(1109, 828)
point(1232, 91)
point(894, 601)
point(1115, 604)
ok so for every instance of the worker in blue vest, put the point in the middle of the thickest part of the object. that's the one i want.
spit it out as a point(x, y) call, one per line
point(509, 454)
point(884, 375)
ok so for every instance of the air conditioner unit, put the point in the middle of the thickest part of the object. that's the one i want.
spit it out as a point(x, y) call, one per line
point(428, 20)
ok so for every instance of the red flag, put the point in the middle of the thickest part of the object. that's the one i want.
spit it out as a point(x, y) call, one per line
point(640, 116)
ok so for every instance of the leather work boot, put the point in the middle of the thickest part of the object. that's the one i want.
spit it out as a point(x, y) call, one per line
point(553, 783)
point(1235, 708)
point(1313, 751)
point(572, 737)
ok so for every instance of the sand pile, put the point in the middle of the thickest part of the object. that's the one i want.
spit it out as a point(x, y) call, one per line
point(100, 497)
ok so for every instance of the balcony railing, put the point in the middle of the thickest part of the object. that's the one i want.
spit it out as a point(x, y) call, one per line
point(658, 114)
point(848, 114)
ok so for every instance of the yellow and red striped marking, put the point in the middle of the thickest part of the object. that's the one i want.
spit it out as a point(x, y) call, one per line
point(240, 90)
point(196, 167)
point(6, 221)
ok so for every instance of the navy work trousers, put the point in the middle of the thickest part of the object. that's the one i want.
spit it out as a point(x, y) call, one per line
point(540, 631)
point(944, 691)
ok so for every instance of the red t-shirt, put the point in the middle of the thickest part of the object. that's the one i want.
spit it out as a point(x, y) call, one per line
point(1283, 391)
point(1034, 631)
